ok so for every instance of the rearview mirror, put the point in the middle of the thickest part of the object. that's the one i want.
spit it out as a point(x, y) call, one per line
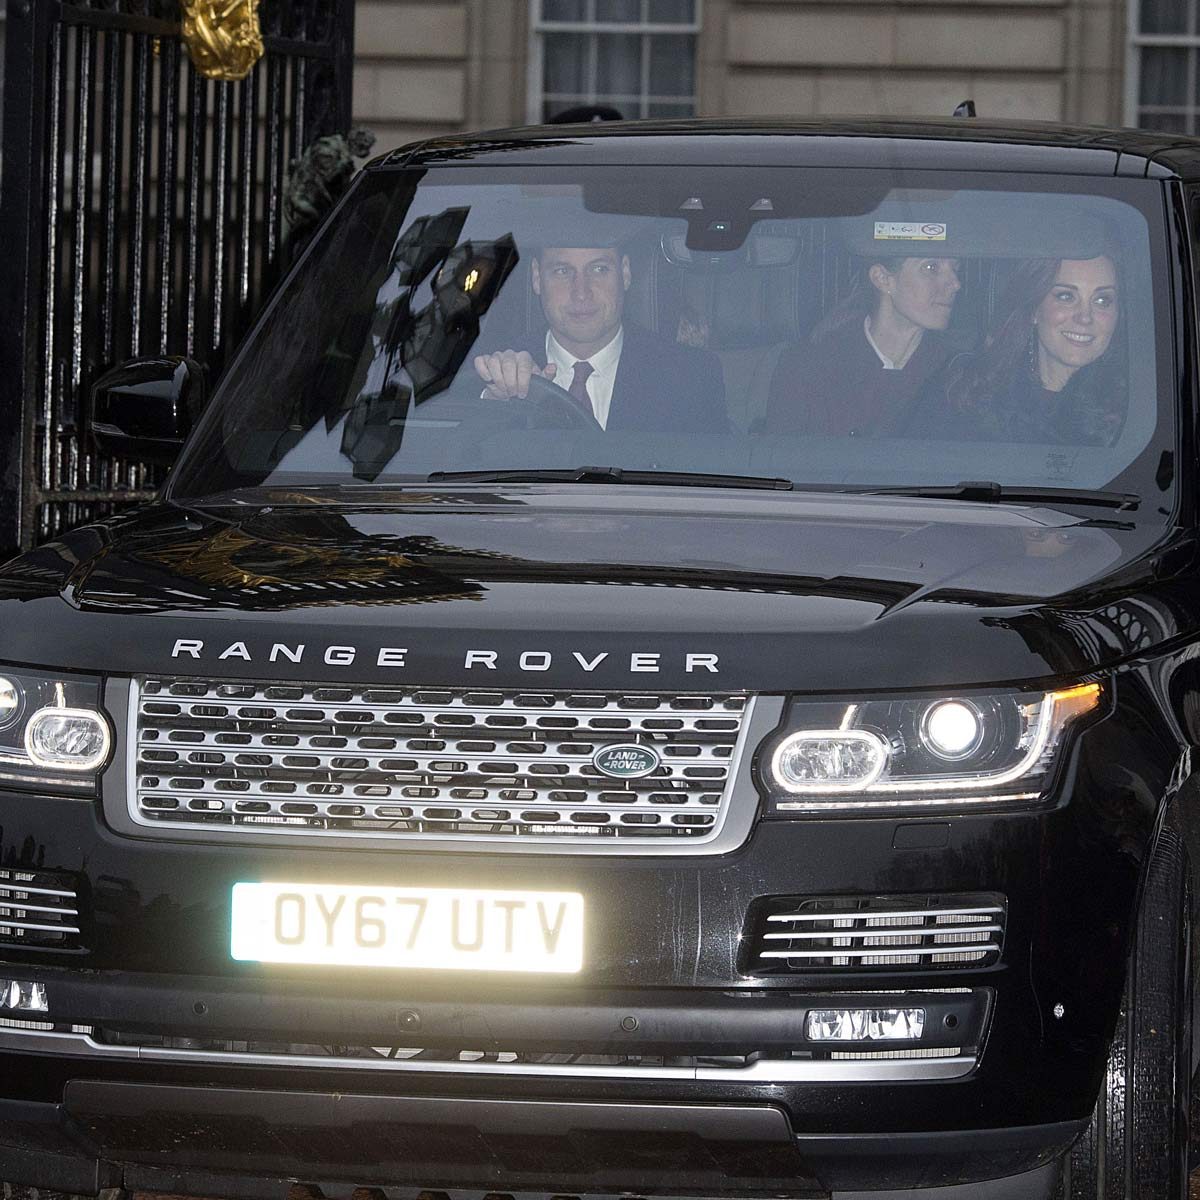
point(145, 407)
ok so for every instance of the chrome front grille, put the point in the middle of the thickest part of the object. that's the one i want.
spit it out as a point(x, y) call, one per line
point(428, 762)
point(799, 935)
point(38, 908)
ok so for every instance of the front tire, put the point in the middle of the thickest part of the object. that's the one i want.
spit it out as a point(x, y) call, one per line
point(1135, 1147)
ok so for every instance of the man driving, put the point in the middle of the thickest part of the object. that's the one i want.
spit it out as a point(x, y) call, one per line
point(622, 375)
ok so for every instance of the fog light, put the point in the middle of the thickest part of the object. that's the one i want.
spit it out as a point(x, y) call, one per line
point(865, 1025)
point(67, 739)
point(952, 729)
point(829, 760)
point(19, 995)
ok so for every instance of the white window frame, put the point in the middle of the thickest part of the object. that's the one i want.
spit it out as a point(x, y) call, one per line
point(1136, 41)
point(535, 76)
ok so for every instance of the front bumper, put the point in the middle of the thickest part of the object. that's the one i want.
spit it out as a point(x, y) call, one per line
point(231, 1104)
point(84, 1110)
point(259, 1144)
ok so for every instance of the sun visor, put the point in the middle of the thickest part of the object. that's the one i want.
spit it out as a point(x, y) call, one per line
point(539, 225)
point(963, 226)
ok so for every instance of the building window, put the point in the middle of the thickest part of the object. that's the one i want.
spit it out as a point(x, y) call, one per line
point(638, 56)
point(1164, 72)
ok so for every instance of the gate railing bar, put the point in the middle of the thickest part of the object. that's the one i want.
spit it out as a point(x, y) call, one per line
point(48, 380)
point(156, 27)
point(141, 176)
point(341, 46)
point(123, 22)
point(299, 124)
point(222, 173)
point(194, 171)
point(23, 273)
point(112, 151)
point(247, 187)
point(276, 154)
point(81, 161)
point(168, 188)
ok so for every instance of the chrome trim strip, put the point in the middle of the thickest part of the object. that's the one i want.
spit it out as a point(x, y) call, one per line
point(878, 931)
point(83, 1045)
point(374, 758)
point(7, 905)
point(54, 781)
point(890, 950)
point(864, 913)
point(688, 716)
point(10, 924)
point(34, 891)
point(886, 801)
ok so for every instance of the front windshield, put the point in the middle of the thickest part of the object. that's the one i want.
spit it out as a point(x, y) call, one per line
point(854, 329)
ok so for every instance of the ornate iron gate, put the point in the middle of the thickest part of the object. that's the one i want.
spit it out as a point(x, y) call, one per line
point(141, 208)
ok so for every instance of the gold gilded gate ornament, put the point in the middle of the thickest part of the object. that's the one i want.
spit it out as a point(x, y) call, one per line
point(223, 37)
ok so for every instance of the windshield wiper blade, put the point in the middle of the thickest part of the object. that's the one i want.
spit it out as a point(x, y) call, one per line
point(985, 490)
point(613, 475)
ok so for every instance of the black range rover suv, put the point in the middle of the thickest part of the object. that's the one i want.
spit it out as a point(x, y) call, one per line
point(769, 773)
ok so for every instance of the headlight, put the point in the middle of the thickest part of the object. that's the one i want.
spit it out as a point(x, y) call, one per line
point(922, 751)
point(53, 733)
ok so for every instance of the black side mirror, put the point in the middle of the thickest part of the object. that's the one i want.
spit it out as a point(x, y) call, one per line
point(145, 407)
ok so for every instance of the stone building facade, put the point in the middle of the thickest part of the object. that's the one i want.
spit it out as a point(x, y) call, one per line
point(437, 66)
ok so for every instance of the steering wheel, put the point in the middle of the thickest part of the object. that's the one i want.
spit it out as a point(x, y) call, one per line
point(546, 406)
point(557, 405)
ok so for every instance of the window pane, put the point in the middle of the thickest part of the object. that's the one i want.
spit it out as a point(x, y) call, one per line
point(563, 10)
point(565, 62)
point(618, 64)
point(679, 12)
point(670, 110)
point(1164, 75)
point(630, 107)
point(1165, 16)
point(1167, 122)
point(673, 65)
point(627, 11)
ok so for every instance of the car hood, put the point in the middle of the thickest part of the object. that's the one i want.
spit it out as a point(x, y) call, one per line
point(597, 586)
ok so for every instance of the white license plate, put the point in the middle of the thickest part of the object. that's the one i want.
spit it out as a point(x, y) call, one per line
point(450, 929)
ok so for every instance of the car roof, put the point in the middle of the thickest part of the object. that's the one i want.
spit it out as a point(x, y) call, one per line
point(968, 144)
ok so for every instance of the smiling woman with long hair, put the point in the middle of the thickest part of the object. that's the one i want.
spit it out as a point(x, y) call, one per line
point(1053, 371)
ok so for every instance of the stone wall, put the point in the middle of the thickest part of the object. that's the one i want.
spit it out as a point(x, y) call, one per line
point(1037, 59)
point(436, 66)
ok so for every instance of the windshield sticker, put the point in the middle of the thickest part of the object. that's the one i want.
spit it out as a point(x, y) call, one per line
point(910, 231)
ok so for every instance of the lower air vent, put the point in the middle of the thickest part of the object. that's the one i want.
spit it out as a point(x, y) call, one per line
point(798, 935)
point(39, 909)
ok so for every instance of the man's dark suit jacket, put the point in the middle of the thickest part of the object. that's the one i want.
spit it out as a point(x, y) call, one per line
point(661, 387)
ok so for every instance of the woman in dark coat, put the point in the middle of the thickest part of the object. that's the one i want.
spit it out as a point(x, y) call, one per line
point(1053, 370)
point(863, 368)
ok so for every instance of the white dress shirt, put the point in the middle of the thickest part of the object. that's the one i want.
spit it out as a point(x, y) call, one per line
point(599, 382)
point(889, 364)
